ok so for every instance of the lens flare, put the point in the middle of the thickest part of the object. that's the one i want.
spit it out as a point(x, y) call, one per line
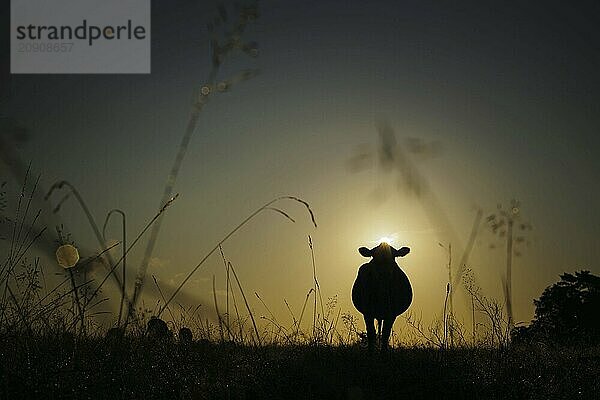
point(67, 256)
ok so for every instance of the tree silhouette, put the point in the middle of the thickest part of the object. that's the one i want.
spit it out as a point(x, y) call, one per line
point(567, 311)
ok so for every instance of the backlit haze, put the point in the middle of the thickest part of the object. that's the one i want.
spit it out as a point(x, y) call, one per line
point(489, 101)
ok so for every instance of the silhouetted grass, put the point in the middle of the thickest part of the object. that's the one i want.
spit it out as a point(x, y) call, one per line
point(43, 356)
point(61, 366)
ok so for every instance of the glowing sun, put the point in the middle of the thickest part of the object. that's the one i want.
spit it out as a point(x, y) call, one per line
point(385, 239)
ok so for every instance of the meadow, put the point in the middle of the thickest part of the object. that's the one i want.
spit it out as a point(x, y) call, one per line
point(55, 342)
point(63, 336)
point(70, 334)
point(64, 366)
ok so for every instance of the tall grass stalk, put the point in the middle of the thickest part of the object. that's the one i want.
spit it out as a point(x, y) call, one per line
point(272, 319)
point(303, 309)
point(131, 246)
point(227, 281)
point(18, 241)
point(76, 301)
point(458, 276)
point(265, 306)
point(464, 259)
point(246, 302)
point(446, 315)
point(237, 315)
point(219, 51)
point(123, 257)
point(508, 283)
point(291, 313)
point(317, 289)
point(19, 245)
point(162, 296)
point(449, 296)
point(265, 207)
point(473, 315)
point(217, 310)
point(14, 239)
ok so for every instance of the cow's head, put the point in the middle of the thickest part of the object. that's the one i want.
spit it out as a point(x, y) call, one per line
point(384, 252)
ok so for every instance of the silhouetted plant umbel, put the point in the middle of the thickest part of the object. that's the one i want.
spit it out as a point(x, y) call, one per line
point(509, 224)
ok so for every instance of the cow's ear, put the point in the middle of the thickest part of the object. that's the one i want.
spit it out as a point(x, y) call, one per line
point(401, 252)
point(365, 252)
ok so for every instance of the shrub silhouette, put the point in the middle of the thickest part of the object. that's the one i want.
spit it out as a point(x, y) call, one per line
point(185, 335)
point(566, 312)
point(158, 329)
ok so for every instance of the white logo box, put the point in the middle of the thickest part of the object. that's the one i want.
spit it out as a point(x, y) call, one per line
point(80, 37)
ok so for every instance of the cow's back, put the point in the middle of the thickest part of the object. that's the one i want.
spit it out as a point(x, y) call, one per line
point(381, 290)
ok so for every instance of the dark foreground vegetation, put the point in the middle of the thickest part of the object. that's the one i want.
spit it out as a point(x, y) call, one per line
point(53, 342)
point(64, 367)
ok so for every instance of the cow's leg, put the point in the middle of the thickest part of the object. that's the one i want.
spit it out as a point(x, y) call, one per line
point(370, 324)
point(386, 331)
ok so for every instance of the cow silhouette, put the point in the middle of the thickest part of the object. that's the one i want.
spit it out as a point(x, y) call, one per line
point(381, 291)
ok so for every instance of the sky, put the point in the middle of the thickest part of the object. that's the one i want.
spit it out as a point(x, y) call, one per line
point(502, 95)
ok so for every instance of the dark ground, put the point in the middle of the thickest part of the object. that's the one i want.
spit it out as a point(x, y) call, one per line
point(60, 367)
